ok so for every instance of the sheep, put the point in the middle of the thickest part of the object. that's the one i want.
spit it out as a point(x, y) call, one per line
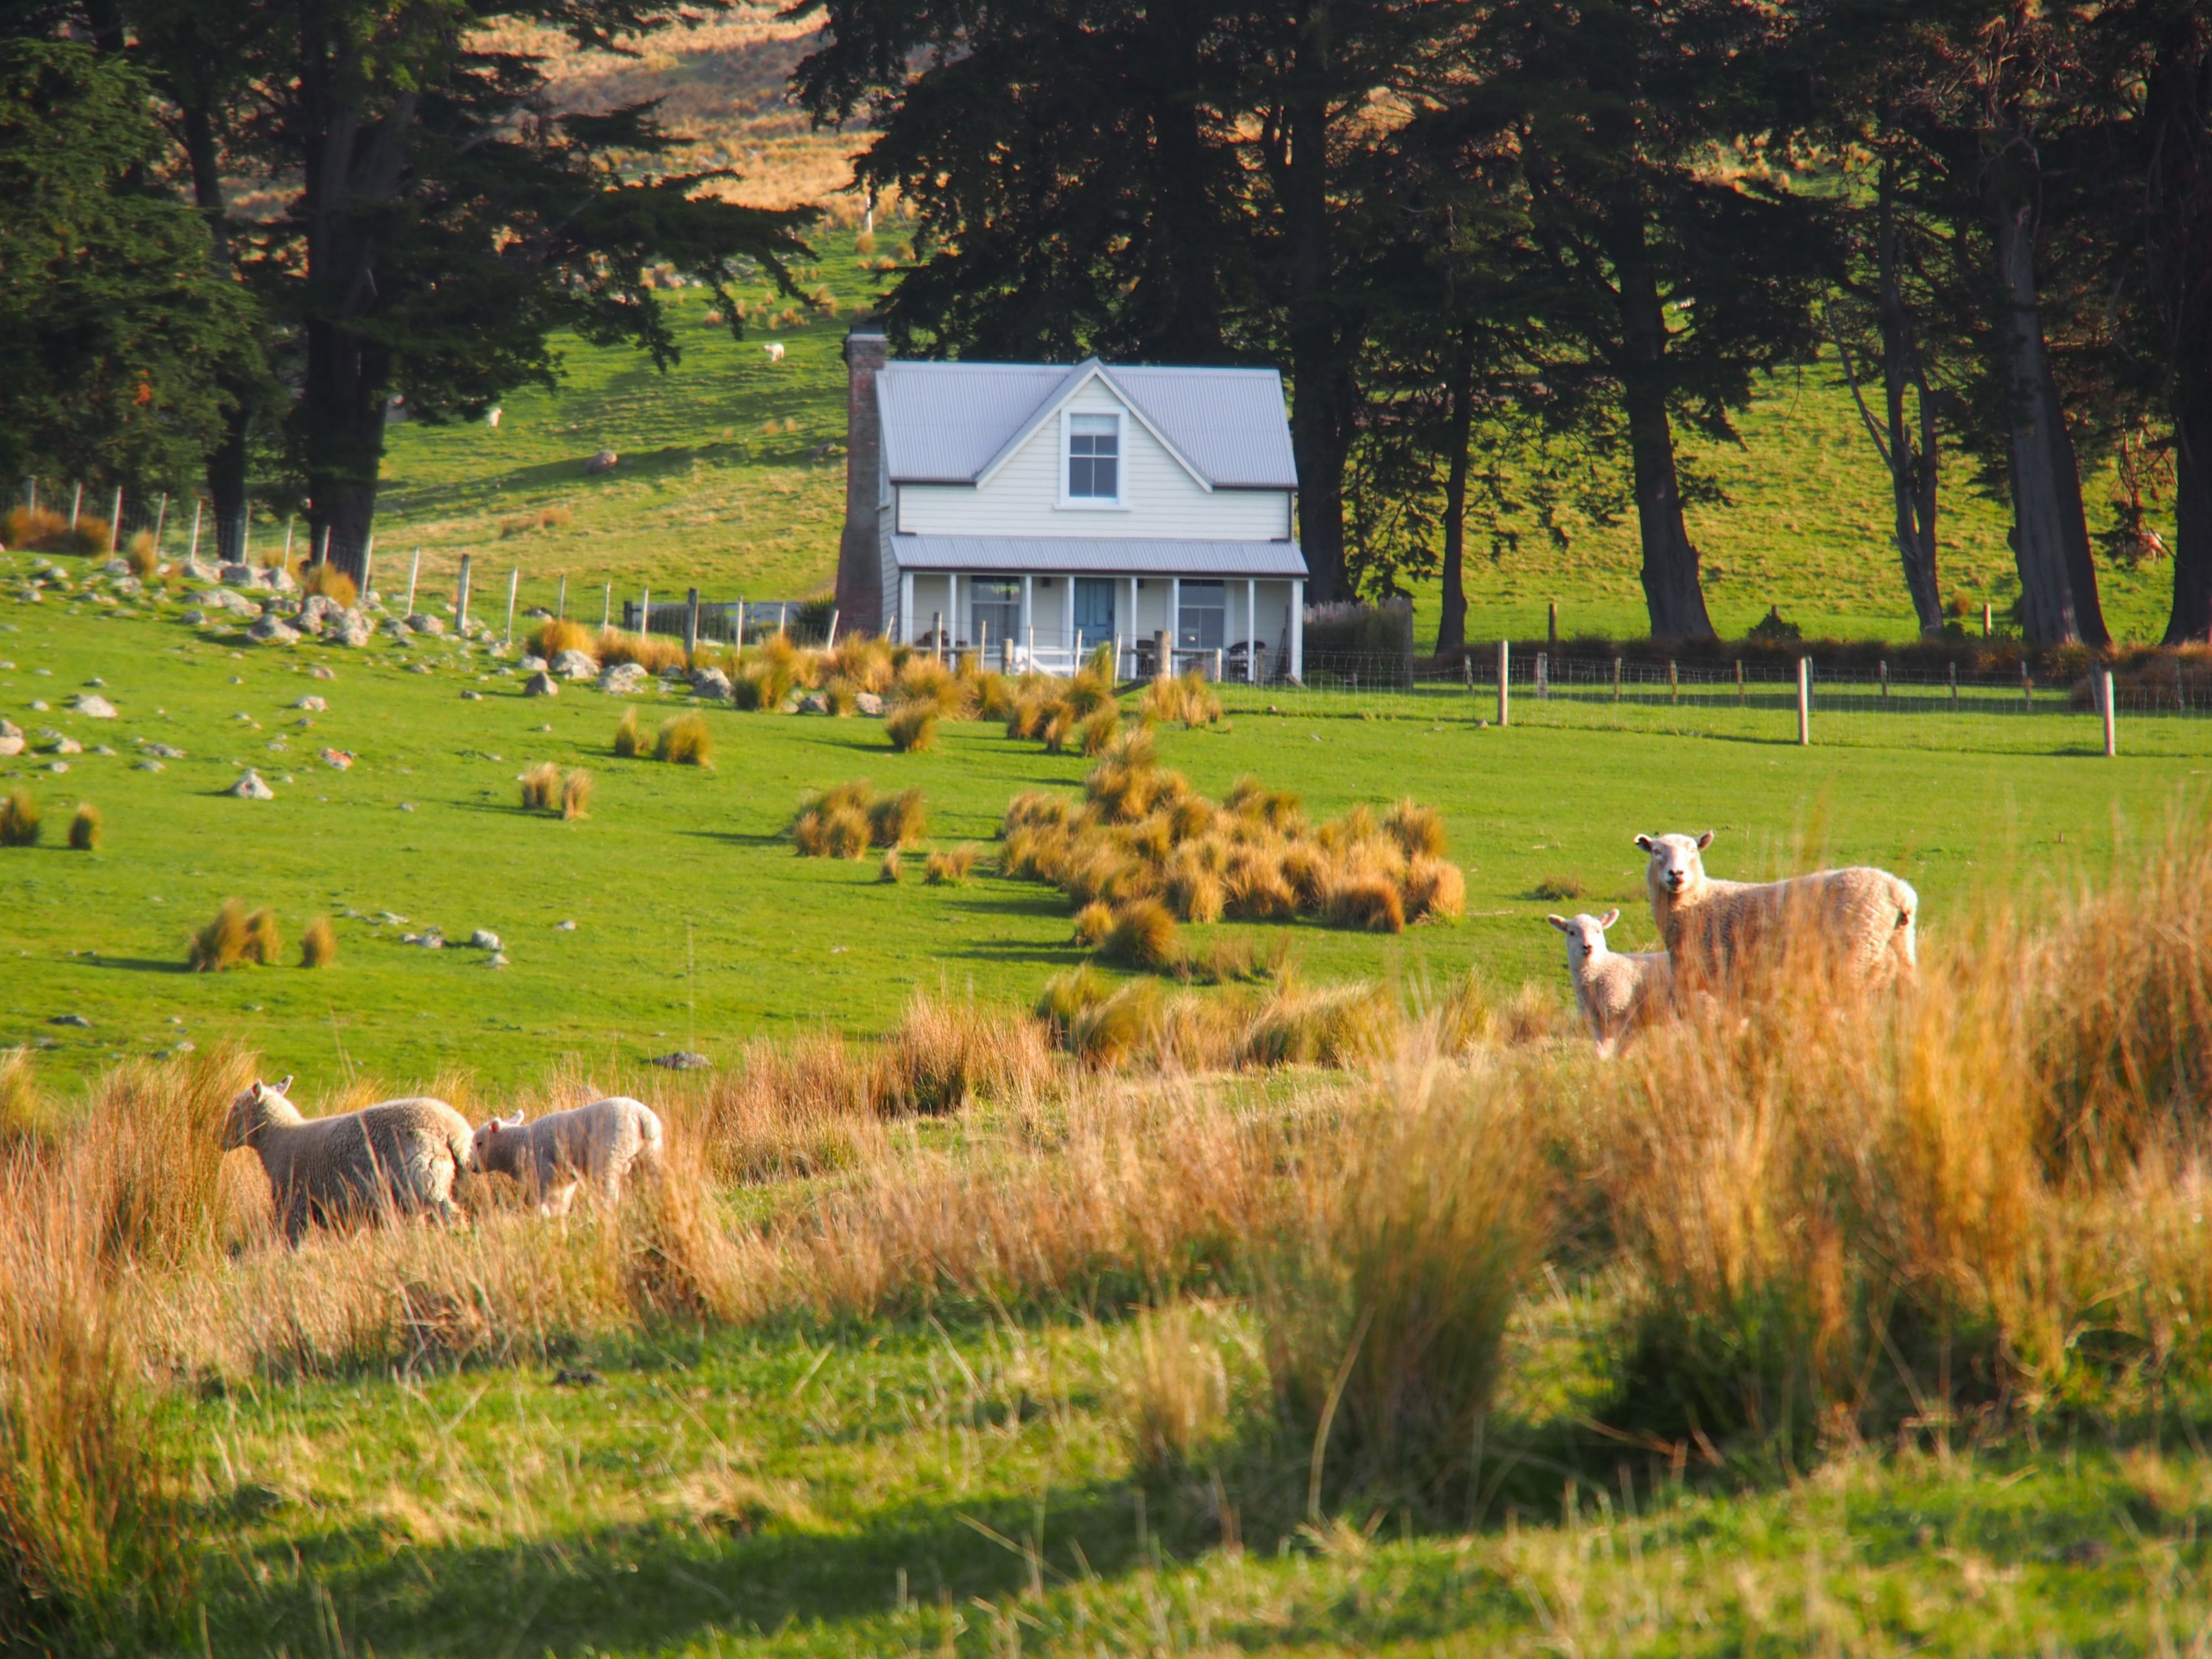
point(1616, 990)
point(400, 1157)
point(555, 1155)
point(1713, 928)
point(774, 350)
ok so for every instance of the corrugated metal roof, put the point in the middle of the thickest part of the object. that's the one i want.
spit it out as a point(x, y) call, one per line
point(944, 422)
point(1098, 556)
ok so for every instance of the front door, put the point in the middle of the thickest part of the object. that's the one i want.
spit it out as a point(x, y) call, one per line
point(1094, 609)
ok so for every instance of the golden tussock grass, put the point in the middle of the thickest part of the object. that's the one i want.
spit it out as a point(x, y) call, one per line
point(332, 583)
point(951, 868)
point(629, 742)
point(889, 871)
point(235, 935)
point(846, 819)
point(85, 828)
point(318, 944)
point(554, 634)
point(575, 794)
point(656, 653)
point(546, 518)
point(21, 820)
point(143, 556)
point(541, 787)
point(912, 727)
point(684, 740)
point(40, 530)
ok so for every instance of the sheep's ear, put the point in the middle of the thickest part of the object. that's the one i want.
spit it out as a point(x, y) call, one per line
point(284, 1088)
point(1559, 922)
point(1644, 842)
point(514, 1122)
point(1608, 919)
point(257, 1090)
point(1704, 841)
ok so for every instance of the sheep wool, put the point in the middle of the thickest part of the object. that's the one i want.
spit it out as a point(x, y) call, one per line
point(554, 1156)
point(396, 1157)
point(1866, 917)
point(1617, 991)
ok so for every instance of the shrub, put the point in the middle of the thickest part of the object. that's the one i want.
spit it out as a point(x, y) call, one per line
point(332, 583)
point(85, 828)
point(1092, 923)
point(1434, 888)
point(951, 869)
point(1418, 829)
point(888, 870)
point(548, 518)
point(144, 557)
point(21, 819)
point(1195, 888)
point(223, 943)
point(557, 634)
point(1278, 809)
point(628, 741)
point(1371, 903)
point(900, 820)
point(912, 727)
point(1143, 937)
point(1058, 723)
point(318, 945)
point(1256, 891)
point(541, 787)
point(576, 794)
point(36, 530)
point(684, 740)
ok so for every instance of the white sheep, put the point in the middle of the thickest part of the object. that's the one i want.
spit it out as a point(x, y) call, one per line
point(1616, 990)
point(555, 1155)
point(774, 349)
point(1865, 916)
point(396, 1157)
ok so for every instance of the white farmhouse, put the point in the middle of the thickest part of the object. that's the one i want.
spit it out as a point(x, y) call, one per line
point(1042, 510)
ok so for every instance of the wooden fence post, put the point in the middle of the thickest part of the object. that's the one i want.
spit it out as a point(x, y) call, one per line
point(691, 623)
point(1616, 680)
point(1885, 679)
point(1954, 683)
point(644, 612)
point(1804, 702)
point(2104, 695)
point(197, 504)
point(414, 570)
point(607, 608)
point(1505, 673)
point(115, 523)
point(1543, 675)
point(161, 518)
point(1673, 682)
point(1985, 622)
point(514, 585)
point(1163, 656)
point(1738, 683)
point(461, 603)
point(561, 598)
point(368, 565)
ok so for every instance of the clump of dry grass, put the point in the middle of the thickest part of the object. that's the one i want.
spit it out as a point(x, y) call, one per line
point(21, 821)
point(767, 673)
point(835, 824)
point(900, 820)
point(546, 518)
point(684, 740)
point(575, 794)
point(332, 583)
point(656, 653)
point(889, 871)
point(318, 944)
point(144, 557)
point(1143, 936)
point(1189, 699)
point(952, 868)
point(1418, 829)
point(235, 935)
point(912, 727)
point(541, 787)
point(629, 742)
point(554, 634)
point(40, 530)
point(85, 828)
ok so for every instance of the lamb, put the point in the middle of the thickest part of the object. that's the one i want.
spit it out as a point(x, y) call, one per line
point(1713, 928)
point(398, 1157)
point(555, 1155)
point(1616, 990)
point(774, 350)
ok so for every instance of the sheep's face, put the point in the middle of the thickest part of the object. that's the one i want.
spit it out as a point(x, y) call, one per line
point(1585, 935)
point(1677, 866)
point(486, 1147)
point(253, 1111)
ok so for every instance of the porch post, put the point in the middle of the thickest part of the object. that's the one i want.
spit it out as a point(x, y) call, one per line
point(906, 608)
point(1175, 624)
point(1067, 621)
point(1251, 632)
point(1131, 632)
point(1298, 632)
point(1028, 626)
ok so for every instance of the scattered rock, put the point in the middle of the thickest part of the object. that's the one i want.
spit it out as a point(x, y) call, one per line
point(312, 704)
point(564, 926)
point(93, 706)
point(78, 1020)
point(711, 683)
point(341, 759)
point(238, 575)
point(269, 631)
point(149, 765)
point(38, 705)
point(682, 1062)
point(605, 461)
point(484, 939)
point(56, 766)
point(11, 738)
point(574, 664)
point(387, 919)
point(867, 702)
point(195, 617)
point(165, 751)
point(406, 806)
point(249, 787)
point(320, 673)
point(472, 696)
point(496, 959)
point(541, 685)
point(97, 684)
point(102, 749)
point(418, 667)
point(429, 939)
point(199, 570)
point(58, 744)
point(316, 607)
point(577, 1377)
point(423, 624)
point(531, 664)
point(350, 628)
point(814, 702)
point(624, 679)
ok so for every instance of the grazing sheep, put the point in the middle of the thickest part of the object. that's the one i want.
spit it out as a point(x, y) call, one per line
point(555, 1155)
point(399, 1157)
point(1712, 927)
point(1616, 990)
point(774, 349)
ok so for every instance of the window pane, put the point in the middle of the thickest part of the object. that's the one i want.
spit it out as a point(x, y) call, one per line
point(1200, 617)
point(1094, 446)
point(994, 610)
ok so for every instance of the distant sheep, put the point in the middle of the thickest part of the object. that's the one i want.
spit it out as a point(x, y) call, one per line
point(398, 1157)
point(1711, 928)
point(774, 349)
point(1616, 990)
point(552, 1157)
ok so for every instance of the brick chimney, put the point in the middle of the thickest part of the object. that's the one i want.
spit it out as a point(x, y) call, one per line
point(860, 554)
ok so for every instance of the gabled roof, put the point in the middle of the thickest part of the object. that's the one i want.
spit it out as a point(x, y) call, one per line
point(954, 423)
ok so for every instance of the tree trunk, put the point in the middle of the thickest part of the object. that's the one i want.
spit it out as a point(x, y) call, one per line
point(344, 411)
point(1323, 396)
point(1191, 331)
point(2051, 534)
point(1451, 620)
point(1671, 591)
point(2192, 621)
point(226, 463)
point(1913, 460)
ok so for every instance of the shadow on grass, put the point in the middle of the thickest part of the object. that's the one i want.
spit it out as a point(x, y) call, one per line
point(141, 964)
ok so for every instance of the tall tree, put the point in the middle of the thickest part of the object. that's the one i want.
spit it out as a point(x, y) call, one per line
point(1194, 179)
point(110, 320)
point(1676, 277)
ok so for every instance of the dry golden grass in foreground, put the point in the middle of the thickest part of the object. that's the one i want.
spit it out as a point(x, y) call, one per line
point(1820, 1215)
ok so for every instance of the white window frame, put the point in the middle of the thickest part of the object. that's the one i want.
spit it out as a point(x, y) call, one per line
point(1119, 501)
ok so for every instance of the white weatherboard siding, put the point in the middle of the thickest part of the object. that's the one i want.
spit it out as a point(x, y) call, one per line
point(1159, 497)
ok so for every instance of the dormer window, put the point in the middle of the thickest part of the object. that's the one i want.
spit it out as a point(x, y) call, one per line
point(1094, 460)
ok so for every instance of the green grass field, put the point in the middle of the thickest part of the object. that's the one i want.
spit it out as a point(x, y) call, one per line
point(732, 480)
point(696, 928)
